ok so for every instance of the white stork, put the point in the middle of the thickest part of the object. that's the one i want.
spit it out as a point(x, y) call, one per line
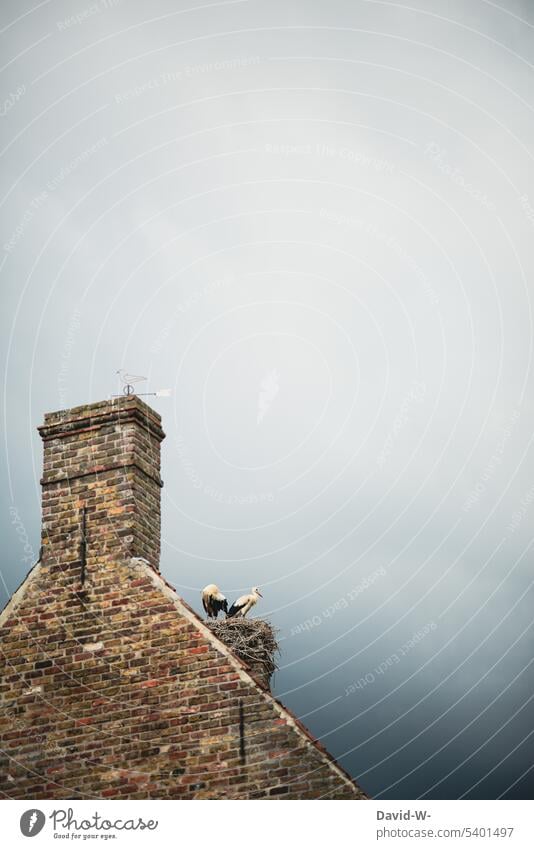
point(242, 606)
point(214, 601)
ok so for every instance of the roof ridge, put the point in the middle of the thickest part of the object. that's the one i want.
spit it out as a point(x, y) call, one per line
point(15, 599)
point(294, 721)
point(162, 584)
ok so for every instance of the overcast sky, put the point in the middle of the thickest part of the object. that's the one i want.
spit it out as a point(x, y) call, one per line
point(314, 223)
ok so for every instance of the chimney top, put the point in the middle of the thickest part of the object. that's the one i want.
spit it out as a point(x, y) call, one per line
point(127, 405)
point(102, 468)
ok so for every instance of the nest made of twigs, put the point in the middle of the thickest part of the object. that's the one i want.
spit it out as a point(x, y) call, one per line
point(252, 640)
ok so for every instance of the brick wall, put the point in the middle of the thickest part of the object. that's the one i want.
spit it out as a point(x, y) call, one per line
point(104, 457)
point(125, 694)
point(120, 690)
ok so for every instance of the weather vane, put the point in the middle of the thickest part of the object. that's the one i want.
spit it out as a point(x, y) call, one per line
point(128, 385)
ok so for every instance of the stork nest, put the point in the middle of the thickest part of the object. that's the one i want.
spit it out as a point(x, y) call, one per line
point(252, 640)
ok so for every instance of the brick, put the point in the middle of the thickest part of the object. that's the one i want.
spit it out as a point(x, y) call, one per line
point(116, 691)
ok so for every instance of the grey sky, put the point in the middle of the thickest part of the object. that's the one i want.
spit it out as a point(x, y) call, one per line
point(314, 223)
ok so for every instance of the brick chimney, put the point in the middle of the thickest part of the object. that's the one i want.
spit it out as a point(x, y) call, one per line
point(101, 472)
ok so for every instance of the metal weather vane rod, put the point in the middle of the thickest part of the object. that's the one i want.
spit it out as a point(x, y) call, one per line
point(128, 386)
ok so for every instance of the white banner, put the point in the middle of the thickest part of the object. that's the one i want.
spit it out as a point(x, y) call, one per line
point(229, 824)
